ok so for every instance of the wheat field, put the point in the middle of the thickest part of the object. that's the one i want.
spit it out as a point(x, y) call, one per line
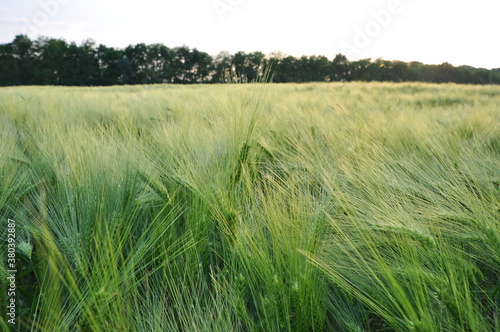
point(252, 207)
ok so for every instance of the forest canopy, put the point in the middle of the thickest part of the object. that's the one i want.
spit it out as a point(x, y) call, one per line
point(49, 61)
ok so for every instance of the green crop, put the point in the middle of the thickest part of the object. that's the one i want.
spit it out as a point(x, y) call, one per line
point(258, 207)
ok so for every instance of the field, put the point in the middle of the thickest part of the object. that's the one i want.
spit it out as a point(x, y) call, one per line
point(252, 207)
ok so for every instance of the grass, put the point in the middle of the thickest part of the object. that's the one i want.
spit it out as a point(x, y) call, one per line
point(301, 207)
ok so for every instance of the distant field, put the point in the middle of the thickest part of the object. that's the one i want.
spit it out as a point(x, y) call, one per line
point(301, 207)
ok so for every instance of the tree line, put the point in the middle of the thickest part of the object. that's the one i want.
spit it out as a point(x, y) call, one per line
point(49, 61)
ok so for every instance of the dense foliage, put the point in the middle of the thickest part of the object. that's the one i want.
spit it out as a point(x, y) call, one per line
point(252, 207)
point(47, 61)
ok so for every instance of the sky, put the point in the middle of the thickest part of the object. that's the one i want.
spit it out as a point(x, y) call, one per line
point(432, 32)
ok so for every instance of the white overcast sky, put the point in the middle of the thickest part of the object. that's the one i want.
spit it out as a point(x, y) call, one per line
point(459, 32)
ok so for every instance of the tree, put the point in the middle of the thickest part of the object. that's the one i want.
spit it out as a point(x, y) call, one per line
point(254, 66)
point(108, 60)
point(201, 62)
point(49, 64)
point(159, 60)
point(445, 72)
point(182, 64)
point(221, 63)
point(339, 68)
point(359, 70)
point(9, 66)
point(19, 57)
point(81, 65)
point(319, 68)
point(246, 67)
point(402, 71)
point(135, 64)
point(127, 71)
point(54, 61)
